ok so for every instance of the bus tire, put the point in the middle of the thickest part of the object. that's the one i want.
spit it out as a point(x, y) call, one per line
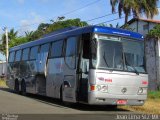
point(23, 87)
point(112, 106)
point(61, 94)
point(16, 86)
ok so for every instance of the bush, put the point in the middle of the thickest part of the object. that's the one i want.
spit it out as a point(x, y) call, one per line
point(155, 32)
point(154, 94)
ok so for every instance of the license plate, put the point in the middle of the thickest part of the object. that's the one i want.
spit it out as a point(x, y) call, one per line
point(121, 102)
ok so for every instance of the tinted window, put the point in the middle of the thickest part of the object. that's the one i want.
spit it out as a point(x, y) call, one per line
point(25, 54)
point(33, 53)
point(56, 49)
point(18, 55)
point(71, 47)
point(45, 48)
point(11, 56)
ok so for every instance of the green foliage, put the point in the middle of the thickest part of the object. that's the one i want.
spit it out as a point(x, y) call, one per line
point(154, 94)
point(45, 28)
point(18, 41)
point(137, 7)
point(65, 23)
point(155, 32)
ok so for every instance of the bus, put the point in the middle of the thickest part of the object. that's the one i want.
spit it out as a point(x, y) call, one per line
point(92, 65)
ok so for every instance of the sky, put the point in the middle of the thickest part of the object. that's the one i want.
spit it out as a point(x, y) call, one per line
point(26, 15)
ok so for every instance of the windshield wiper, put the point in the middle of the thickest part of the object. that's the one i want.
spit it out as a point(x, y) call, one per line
point(135, 70)
point(104, 57)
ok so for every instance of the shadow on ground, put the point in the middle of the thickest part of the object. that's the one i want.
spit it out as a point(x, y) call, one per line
point(58, 103)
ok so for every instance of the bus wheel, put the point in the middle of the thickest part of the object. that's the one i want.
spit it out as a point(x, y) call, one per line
point(61, 94)
point(23, 87)
point(112, 107)
point(16, 86)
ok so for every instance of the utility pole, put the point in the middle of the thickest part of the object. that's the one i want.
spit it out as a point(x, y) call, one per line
point(6, 34)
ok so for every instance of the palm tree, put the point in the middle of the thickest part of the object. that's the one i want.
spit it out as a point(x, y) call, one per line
point(12, 34)
point(137, 7)
point(29, 35)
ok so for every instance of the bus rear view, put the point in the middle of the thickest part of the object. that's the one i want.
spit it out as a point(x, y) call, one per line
point(116, 68)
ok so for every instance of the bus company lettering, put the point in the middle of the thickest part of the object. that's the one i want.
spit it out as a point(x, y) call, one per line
point(105, 79)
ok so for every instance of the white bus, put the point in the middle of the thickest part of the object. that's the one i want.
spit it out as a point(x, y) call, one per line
point(92, 65)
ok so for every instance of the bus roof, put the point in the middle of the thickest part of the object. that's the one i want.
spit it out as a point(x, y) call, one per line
point(72, 31)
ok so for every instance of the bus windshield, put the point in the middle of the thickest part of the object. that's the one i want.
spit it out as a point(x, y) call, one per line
point(116, 53)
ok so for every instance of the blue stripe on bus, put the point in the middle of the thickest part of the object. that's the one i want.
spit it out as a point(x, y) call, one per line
point(119, 32)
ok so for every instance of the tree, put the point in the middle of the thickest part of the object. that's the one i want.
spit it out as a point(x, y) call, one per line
point(137, 7)
point(117, 25)
point(18, 41)
point(12, 34)
point(29, 35)
point(65, 23)
point(155, 32)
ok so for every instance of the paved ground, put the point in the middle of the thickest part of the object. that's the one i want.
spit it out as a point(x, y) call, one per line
point(43, 107)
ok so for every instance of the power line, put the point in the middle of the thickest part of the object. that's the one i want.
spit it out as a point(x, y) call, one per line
point(101, 17)
point(109, 21)
point(67, 13)
point(114, 19)
point(87, 5)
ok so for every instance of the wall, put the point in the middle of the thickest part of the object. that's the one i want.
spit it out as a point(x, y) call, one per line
point(138, 27)
point(152, 62)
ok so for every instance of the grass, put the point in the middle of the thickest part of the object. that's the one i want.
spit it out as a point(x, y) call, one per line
point(151, 106)
point(3, 83)
point(154, 94)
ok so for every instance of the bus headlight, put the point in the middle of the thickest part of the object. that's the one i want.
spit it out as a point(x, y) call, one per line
point(102, 88)
point(142, 91)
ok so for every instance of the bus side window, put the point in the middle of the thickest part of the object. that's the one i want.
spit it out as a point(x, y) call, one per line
point(25, 54)
point(70, 56)
point(18, 56)
point(11, 56)
point(34, 52)
point(56, 49)
point(44, 48)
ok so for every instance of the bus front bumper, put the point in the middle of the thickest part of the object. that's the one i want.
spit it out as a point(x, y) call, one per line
point(99, 99)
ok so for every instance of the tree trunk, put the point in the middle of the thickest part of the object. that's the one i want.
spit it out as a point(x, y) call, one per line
point(126, 18)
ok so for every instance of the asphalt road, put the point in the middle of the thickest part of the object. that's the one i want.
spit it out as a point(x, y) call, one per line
point(32, 106)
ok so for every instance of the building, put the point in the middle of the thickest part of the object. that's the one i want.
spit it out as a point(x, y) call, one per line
point(152, 49)
point(142, 26)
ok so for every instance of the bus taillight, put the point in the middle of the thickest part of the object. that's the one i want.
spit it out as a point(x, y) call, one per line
point(145, 82)
point(92, 87)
